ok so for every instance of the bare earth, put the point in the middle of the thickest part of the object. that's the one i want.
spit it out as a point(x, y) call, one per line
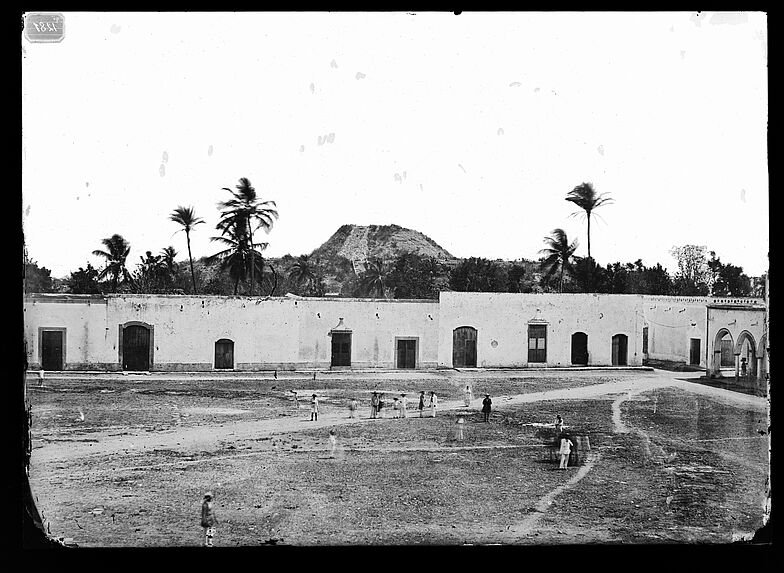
point(670, 460)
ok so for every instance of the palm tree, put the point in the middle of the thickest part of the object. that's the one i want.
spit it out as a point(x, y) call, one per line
point(168, 264)
point(585, 197)
point(117, 249)
point(557, 255)
point(302, 271)
point(372, 280)
point(235, 256)
point(186, 216)
point(246, 205)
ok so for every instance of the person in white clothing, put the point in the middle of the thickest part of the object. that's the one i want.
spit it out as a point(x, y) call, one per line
point(433, 404)
point(564, 451)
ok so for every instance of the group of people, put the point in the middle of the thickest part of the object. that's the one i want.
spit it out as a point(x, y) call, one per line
point(400, 405)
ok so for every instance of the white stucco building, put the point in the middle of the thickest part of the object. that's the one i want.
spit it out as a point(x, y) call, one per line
point(463, 330)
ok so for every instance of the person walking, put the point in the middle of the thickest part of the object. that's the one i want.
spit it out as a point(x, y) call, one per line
point(487, 405)
point(403, 406)
point(564, 451)
point(314, 408)
point(421, 406)
point(433, 404)
point(374, 405)
point(352, 407)
point(468, 396)
point(208, 519)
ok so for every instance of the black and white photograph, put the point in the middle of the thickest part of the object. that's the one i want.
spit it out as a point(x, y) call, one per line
point(352, 279)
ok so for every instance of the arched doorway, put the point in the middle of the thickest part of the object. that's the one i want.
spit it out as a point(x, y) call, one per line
point(464, 347)
point(746, 350)
point(723, 352)
point(136, 346)
point(224, 354)
point(580, 348)
point(620, 343)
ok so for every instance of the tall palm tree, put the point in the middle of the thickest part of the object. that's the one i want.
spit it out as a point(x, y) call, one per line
point(186, 216)
point(302, 271)
point(235, 257)
point(373, 279)
point(557, 255)
point(116, 253)
point(585, 197)
point(245, 204)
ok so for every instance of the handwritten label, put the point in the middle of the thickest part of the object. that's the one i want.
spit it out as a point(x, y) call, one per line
point(44, 27)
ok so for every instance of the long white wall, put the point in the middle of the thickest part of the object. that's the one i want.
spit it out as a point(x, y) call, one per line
point(502, 319)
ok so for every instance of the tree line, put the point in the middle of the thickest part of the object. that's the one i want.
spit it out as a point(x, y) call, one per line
point(240, 268)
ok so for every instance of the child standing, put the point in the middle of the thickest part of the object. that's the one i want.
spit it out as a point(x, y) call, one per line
point(468, 396)
point(352, 408)
point(433, 404)
point(421, 406)
point(333, 440)
point(296, 400)
point(395, 407)
point(208, 520)
point(403, 406)
point(314, 408)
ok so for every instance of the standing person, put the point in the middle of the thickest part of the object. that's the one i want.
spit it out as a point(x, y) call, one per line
point(743, 366)
point(208, 519)
point(433, 404)
point(459, 424)
point(558, 425)
point(41, 377)
point(564, 451)
point(468, 396)
point(380, 408)
point(352, 407)
point(314, 408)
point(395, 407)
point(421, 406)
point(487, 405)
point(374, 405)
point(403, 406)
point(333, 441)
point(296, 400)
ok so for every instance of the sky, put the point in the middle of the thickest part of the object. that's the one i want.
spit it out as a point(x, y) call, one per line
point(470, 128)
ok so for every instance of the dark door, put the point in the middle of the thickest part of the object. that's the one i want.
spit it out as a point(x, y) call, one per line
point(694, 351)
point(224, 354)
point(341, 349)
point(579, 348)
point(406, 353)
point(537, 343)
point(619, 346)
point(136, 348)
point(52, 350)
point(464, 347)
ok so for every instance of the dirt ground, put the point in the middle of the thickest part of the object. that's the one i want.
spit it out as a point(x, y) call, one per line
point(123, 460)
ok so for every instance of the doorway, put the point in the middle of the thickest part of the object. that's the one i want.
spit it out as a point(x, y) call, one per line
point(406, 353)
point(52, 349)
point(537, 343)
point(464, 347)
point(341, 349)
point(136, 348)
point(620, 343)
point(224, 354)
point(580, 348)
point(694, 351)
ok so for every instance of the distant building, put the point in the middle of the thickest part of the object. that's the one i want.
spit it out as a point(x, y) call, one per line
point(460, 330)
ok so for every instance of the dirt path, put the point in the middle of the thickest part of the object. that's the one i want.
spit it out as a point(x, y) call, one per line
point(201, 438)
